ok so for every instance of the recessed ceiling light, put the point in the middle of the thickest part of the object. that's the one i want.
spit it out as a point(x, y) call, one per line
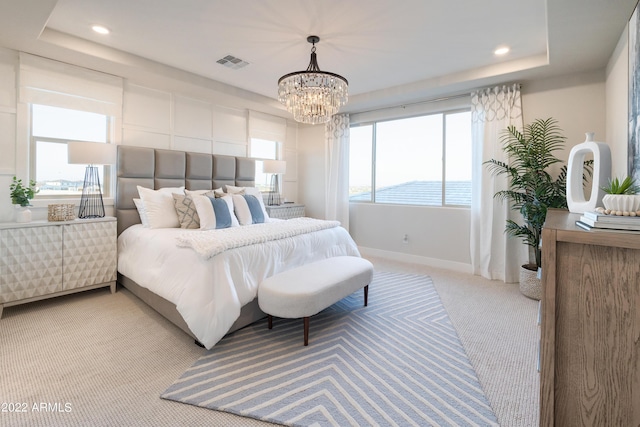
point(501, 51)
point(100, 29)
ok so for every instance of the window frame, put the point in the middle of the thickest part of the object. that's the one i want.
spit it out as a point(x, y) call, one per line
point(108, 171)
point(374, 123)
point(279, 148)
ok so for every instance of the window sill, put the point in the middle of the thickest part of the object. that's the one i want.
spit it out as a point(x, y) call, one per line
point(44, 203)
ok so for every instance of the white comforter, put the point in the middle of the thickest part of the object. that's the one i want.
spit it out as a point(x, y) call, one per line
point(209, 293)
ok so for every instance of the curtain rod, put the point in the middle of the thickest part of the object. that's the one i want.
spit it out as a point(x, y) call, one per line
point(428, 101)
point(411, 104)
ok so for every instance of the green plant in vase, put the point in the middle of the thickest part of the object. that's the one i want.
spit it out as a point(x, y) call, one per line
point(627, 186)
point(20, 194)
point(622, 197)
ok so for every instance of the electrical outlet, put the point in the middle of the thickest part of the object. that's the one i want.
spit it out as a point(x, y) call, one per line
point(405, 239)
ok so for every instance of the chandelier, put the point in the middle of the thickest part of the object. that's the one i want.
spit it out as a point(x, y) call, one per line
point(313, 96)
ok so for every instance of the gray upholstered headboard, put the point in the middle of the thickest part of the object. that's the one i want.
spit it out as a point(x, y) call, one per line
point(155, 168)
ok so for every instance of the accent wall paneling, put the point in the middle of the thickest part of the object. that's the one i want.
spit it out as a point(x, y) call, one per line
point(146, 108)
point(142, 138)
point(229, 126)
point(230, 149)
point(193, 145)
point(192, 118)
point(8, 72)
point(8, 141)
point(290, 179)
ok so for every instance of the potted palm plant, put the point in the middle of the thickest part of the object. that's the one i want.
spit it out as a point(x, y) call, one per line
point(533, 188)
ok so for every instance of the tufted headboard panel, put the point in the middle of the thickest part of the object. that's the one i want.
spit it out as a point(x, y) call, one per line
point(156, 168)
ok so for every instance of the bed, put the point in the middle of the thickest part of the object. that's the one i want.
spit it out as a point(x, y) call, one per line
point(205, 295)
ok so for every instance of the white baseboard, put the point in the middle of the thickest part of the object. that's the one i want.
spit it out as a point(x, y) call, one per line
point(416, 259)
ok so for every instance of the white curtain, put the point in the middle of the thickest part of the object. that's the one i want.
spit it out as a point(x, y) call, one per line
point(337, 169)
point(494, 255)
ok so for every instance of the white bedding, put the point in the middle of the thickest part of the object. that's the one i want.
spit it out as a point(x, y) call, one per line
point(209, 293)
point(208, 245)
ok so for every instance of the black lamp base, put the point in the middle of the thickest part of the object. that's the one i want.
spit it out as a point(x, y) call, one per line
point(91, 204)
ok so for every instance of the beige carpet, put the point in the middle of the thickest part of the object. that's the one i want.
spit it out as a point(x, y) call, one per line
point(103, 360)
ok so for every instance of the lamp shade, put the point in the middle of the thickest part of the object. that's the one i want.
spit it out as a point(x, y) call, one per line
point(274, 166)
point(91, 153)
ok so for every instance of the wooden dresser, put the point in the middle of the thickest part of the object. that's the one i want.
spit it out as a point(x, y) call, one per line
point(590, 336)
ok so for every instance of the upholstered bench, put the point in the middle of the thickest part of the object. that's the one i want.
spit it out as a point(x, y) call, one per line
point(309, 289)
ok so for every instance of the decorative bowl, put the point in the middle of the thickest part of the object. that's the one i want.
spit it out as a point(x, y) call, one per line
point(622, 202)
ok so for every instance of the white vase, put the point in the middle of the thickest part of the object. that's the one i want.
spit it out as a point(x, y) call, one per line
point(576, 201)
point(23, 214)
point(622, 202)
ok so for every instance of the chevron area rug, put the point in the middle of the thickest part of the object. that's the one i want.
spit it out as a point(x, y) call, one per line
point(397, 362)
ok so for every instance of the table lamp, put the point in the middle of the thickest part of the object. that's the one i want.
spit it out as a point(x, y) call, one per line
point(91, 154)
point(275, 168)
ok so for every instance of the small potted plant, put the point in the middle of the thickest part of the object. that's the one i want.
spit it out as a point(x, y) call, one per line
point(21, 196)
point(622, 196)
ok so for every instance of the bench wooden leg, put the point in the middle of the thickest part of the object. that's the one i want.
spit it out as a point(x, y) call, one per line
point(366, 295)
point(270, 321)
point(306, 330)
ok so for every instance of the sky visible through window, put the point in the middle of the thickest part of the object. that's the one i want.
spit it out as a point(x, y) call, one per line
point(409, 157)
point(263, 149)
point(51, 128)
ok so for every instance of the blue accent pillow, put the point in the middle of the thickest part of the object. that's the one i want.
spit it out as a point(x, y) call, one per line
point(221, 210)
point(255, 208)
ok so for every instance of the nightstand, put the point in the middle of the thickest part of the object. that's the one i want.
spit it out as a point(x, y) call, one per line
point(42, 259)
point(285, 211)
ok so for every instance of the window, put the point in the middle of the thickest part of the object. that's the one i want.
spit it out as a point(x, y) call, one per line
point(262, 149)
point(424, 160)
point(51, 129)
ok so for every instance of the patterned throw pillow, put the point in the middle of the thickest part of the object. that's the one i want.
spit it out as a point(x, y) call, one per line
point(186, 210)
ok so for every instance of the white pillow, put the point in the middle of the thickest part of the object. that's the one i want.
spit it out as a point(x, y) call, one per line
point(207, 214)
point(159, 206)
point(219, 192)
point(231, 189)
point(197, 192)
point(143, 214)
point(245, 214)
point(251, 191)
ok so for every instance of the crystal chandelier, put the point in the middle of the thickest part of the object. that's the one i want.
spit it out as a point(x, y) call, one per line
point(313, 96)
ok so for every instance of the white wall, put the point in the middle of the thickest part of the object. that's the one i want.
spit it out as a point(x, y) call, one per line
point(311, 171)
point(163, 112)
point(577, 102)
point(8, 104)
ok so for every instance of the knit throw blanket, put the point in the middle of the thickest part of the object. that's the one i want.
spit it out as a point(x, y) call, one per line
point(213, 242)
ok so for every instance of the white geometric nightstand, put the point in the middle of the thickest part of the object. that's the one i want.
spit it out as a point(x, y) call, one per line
point(43, 259)
point(285, 211)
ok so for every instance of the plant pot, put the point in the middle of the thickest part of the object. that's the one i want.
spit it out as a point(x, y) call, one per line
point(23, 214)
point(530, 284)
point(622, 202)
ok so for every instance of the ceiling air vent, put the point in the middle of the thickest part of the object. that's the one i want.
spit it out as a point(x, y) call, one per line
point(231, 61)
